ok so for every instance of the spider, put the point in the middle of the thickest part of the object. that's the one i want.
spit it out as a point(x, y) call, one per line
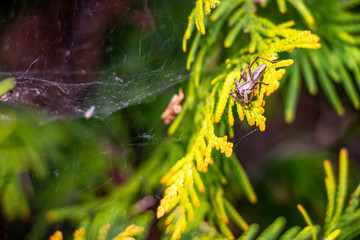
point(245, 89)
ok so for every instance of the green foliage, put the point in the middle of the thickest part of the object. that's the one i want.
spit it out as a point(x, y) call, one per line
point(336, 23)
point(265, 39)
point(128, 234)
point(340, 222)
point(49, 153)
point(6, 85)
point(204, 180)
point(185, 180)
point(17, 158)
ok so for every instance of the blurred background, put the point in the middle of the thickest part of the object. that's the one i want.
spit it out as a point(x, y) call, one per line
point(81, 139)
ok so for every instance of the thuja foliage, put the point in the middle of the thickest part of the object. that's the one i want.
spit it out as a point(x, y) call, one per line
point(336, 63)
point(56, 167)
point(237, 26)
point(128, 234)
point(209, 104)
point(200, 169)
point(341, 218)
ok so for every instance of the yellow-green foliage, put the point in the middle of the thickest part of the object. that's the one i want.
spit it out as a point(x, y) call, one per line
point(181, 194)
point(337, 24)
point(207, 99)
point(224, 43)
point(339, 223)
point(197, 18)
point(128, 234)
point(267, 40)
point(6, 85)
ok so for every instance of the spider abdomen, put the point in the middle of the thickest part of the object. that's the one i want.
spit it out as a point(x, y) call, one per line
point(258, 72)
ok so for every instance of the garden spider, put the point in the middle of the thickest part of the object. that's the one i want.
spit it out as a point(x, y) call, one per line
point(242, 91)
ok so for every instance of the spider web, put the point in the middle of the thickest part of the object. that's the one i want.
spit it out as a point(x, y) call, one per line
point(79, 69)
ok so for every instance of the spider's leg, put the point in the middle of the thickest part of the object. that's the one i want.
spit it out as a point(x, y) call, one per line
point(237, 99)
point(252, 63)
point(257, 57)
point(243, 74)
point(246, 102)
point(232, 92)
point(272, 61)
point(250, 74)
point(262, 83)
point(237, 83)
point(252, 92)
